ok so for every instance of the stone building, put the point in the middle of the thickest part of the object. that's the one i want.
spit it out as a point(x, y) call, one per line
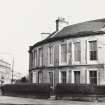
point(72, 54)
point(5, 72)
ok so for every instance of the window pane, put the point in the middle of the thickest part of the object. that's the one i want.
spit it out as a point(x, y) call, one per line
point(77, 51)
point(64, 53)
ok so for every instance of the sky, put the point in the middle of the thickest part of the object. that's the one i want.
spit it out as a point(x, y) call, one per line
point(23, 21)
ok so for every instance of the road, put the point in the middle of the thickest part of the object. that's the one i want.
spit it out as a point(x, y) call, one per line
point(17, 100)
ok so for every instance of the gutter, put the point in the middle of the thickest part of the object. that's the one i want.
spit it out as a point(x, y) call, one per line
point(56, 38)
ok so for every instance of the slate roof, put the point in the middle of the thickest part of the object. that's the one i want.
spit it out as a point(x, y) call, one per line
point(81, 29)
point(89, 26)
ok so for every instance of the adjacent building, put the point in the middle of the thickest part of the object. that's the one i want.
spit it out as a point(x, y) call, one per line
point(72, 54)
point(5, 72)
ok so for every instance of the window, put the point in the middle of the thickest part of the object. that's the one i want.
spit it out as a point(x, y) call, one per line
point(63, 76)
point(40, 77)
point(32, 59)
point(40, 56)
point(70, 53)
point(51, 78)
point(77, 52)
point(64, 53)
point(93, 50)
point(34, 77)
point(51, 55)
point(77, 77)
point(93, 77)
point(35, 58)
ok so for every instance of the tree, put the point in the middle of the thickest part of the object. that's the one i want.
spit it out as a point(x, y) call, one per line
point(24, 79)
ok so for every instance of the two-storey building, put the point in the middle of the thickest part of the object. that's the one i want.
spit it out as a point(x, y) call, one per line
point(74, 54)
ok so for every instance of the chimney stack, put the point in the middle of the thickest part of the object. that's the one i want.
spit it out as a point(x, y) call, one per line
point(60, 23)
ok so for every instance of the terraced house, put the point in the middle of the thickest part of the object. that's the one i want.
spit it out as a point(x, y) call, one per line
point(72, 54)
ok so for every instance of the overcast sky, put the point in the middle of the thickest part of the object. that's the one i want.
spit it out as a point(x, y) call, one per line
point(22, 21)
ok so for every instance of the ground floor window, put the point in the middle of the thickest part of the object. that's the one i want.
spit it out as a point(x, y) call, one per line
point(51, 78)
point(77, 77)
point(40, 77)
point(93, 77)
point(34, 77)
point(63, 76)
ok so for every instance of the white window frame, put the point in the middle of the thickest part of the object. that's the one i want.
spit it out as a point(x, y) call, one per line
point(49, 55)
point(88, 52)
point(73, 55)
point(62, 63)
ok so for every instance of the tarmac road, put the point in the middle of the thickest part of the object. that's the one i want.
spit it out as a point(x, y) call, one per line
point(17, 100)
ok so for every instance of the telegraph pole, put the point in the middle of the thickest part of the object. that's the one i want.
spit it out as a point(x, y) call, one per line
point(12, 71)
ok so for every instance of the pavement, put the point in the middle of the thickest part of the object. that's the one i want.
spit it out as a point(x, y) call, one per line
point(8, 100)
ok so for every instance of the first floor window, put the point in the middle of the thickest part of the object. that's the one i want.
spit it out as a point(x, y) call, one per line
point(77, 51)
point(93, 50)
point(70, 53)
point(63, 76)
point(64, 53)
point(35, 58)
point(40, 56)
point(51, 55)
point(93, 77)
point(32, 59)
